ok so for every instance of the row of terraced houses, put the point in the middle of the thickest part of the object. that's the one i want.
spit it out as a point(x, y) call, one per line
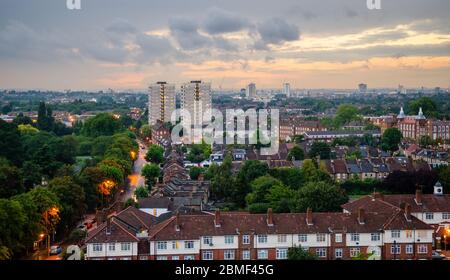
point(387, 227)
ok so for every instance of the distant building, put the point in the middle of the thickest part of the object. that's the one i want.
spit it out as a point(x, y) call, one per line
point(161, 102)
point(251, 91)
point(196, 99)
point(287, 90)
point(362, 88)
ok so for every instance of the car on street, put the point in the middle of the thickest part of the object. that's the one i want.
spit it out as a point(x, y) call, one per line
point(55, 250)
point(437, 256)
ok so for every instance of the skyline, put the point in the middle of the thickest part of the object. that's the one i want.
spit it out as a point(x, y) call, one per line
point(326, 45)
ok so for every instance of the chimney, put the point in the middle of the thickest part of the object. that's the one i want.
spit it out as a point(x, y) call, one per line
point(269, 217)
point(177, 222)
point(408, 212)
point(309, 220)
point(217, 218)
point(108, 225)
point(418, 198)
point(361, 216)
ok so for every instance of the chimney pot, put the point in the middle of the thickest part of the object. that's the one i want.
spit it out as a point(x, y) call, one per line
point(309, 220)
point(269, 217)
point(217, 218)
point(418, 197)
point(361, 216)
point(408, 212)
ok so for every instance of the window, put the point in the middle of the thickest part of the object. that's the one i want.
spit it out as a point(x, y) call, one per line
point(143, 258)
point(395, 249)
point(321, 252)
point(228, 254)
point(320, 237)
point(161, 245)
point(302, 238)
point(207, 255)
point(338, 238)
point(354, 252)
point(189, 258)
point(282, 254)
point(262, 238)
point(338, 253)
point(246, 254)
point(282, 238)
point(188, 244)
point(262, 255)
point(174, 245)
point(354, 237)
point(446, 216)
point(246, 239)
point(161, 258)
point(229, 239)
point(207, 240)
point(375, 236)
point(395, 234)
point(97, 247)
point(111, 247)
point(175, 258)
point(125, 246)
point(409, 249)
point(429, 216)
point(422, 249)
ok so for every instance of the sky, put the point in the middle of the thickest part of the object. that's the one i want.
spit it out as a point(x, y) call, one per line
point(127, 44)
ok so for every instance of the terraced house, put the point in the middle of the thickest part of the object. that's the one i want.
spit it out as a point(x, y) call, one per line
point(244, 236)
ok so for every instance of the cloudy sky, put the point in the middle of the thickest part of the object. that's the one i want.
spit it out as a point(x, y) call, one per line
point(126, 44)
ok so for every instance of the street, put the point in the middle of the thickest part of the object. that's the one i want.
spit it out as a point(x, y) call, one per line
point(135, 179)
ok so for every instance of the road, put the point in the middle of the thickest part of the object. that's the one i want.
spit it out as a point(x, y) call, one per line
point(135, 179)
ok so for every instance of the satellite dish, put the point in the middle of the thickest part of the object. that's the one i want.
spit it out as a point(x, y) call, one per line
point(374, 252)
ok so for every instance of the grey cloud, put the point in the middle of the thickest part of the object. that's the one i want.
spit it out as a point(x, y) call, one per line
point(154, 48)
point(220, 21)
point(185, 31)
point(121, 26)
point(276, 31)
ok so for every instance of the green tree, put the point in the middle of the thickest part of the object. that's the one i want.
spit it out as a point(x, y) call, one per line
point(321, 149)
point(290, 176)
point(45, 119)
point(195, 172)
point(300, 254)
point(10, 143)
point(345, 114)
point(151, 172)
point(199, 152)
point(155, 154)
point(297, 153)
point(391, 139)
point(71, 198)
point(103, 124)
point(260, 188)
point(429, 107)
point(141, 192)
point(426, 140)
point(12, 223)
point(10, 179)
point(321, 197)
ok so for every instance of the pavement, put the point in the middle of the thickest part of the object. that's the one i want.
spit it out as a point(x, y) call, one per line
point(135, 179)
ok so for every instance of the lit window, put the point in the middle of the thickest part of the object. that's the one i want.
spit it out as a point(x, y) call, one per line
point(354, 252)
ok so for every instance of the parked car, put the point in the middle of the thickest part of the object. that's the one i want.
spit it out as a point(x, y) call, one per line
point(437, 256)
point(55, 250)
